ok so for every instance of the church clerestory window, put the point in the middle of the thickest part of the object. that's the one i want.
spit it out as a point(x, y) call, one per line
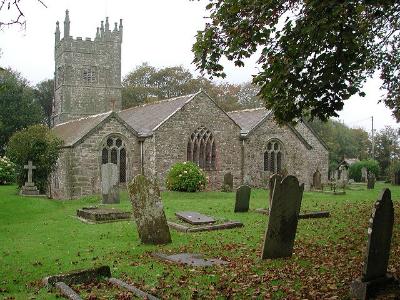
point(114, 151)
point(273, 157)
point(201, 149)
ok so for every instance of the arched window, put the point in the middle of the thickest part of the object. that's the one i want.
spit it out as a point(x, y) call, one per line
point(201, 148)
point(273, 157)
point(114, 151)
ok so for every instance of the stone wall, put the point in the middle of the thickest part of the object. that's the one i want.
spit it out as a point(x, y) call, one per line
point(171, 140)
point(297, 159)
point(82, 163)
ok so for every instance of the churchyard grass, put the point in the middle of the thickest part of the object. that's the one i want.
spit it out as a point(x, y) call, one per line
point(40, 237)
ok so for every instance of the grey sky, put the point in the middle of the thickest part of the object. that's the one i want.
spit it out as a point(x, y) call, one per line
point(156, 31)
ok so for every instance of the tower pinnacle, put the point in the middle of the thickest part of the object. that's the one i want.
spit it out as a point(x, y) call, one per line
point(66, 24)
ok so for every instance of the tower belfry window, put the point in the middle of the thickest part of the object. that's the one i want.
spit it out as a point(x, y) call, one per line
point(89, 75)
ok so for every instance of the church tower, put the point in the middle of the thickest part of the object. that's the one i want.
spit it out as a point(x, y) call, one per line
point(87, 77)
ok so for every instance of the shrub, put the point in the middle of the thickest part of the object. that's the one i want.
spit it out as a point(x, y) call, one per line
point(7, 171)
point(38, 144)
point(355, 169)
point(186, 177)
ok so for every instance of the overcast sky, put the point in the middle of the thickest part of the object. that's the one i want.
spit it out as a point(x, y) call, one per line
point(156, 31)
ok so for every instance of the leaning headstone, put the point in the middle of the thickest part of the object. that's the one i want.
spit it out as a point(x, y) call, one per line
point(317, 180)
point(109, 183)
point(374, 277)
point(272, 182)
point(148, 211)
point(371, 181)
point(29, 188)
point(242, 198)
point(280, 234)
point(364, 174)
point(228, 182)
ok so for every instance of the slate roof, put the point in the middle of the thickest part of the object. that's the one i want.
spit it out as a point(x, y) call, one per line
point(146, 118)
point(248, 118)
point(72, 131)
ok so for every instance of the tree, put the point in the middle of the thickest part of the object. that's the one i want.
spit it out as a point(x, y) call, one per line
point(38, 144)
point(18, 107)
point(44, 93)
point(314, 54)
point(387, 148)
point(12, 13)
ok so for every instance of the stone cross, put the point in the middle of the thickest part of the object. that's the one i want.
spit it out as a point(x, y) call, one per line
point(148, 211)
point(30, 167)
point(282, 225)
point(374, 275)
point(242, 198)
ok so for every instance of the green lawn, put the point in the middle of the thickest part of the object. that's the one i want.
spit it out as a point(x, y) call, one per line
point(40, 237)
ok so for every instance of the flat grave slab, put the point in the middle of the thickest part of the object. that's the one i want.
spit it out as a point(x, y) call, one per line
point(94, 215)
point(191, 259)
point(194, 218)
point(302, 215)
point(198, 228)
point(62, 282)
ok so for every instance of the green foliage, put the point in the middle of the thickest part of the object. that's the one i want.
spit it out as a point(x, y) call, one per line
point(147, 84)
point(44, 93)
point(355, 169)
point(19, 108)
point(342, 141)
point(387, 148)
point(186, 177)
point(38, 144)
point(314, 55)
point(7, 171)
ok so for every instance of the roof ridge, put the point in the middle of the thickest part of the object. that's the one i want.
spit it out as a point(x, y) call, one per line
point(159, 101)
point(84, 118)
point(246, 110)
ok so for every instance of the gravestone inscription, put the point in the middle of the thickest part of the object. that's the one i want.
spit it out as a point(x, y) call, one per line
point(148, 211)
point(281, 231)
point(374, 274)
point(109, 183)
point(242, 199)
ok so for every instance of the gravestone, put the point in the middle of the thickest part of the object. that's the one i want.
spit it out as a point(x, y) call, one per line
point(374, 277)
point(272, 182)
point(194, 218)
point(280, 234)
point(228, 182)
point(396, 178)
point(317, 180)
point(29, 188)
point(148, 211)
point(371, 181)
point(247, 180)
point(109, 183)
point(242, 199)
point(364, 174)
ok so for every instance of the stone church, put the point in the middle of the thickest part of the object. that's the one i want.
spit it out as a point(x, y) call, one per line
point(149, 139)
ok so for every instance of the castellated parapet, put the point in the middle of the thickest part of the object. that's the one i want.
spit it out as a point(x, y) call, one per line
point(87, 76)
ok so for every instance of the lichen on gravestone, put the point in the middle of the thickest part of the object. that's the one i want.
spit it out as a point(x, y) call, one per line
point(148, 211)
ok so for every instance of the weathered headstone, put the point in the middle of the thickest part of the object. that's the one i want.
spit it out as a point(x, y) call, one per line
point(280, 234)
point(247, 180)
point(317, 180)
point(194, 218)
point(371, 181)
point(374, 275)
point(272, 182)
point(109, 183)
point(364, 174)
point(29, 188)
point(228, 182)
point(148, 211)
point(242, 198)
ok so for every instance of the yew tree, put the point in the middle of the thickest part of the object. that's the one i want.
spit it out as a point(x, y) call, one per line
point(313, 55)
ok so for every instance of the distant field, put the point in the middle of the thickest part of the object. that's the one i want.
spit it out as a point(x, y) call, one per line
point(40, 237)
